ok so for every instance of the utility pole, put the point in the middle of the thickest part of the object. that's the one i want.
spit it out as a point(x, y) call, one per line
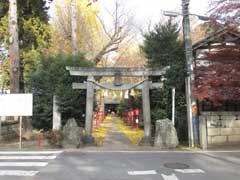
point(74, 26)
point(189, 65)
point(14, 48)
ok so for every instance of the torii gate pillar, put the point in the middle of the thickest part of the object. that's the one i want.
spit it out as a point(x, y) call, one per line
point(146, 113)
point(89, 110)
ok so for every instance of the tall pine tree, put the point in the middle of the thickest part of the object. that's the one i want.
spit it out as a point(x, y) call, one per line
point(163, 47)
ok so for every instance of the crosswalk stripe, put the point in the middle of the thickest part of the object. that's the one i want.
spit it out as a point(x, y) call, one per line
point(29, 152)
point(26, 157)
point(189, 171)
point(23, 164)
point(148, 172)
point(170, 177)
point(17, 173)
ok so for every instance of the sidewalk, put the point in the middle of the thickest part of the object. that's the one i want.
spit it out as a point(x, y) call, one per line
point(114, 135)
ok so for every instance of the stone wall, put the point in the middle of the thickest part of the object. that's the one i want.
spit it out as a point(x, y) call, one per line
point(222, 127)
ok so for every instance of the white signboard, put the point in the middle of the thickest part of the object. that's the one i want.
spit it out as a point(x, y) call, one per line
point(16, 104)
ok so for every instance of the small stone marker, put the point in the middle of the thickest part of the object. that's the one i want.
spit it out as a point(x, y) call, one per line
point(165, 135)
point(71, 134)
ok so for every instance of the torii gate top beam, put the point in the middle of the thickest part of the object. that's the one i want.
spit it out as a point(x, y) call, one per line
point(111, 71)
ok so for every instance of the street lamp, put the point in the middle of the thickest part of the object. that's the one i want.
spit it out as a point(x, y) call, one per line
point(176, 14)
point(189, 65)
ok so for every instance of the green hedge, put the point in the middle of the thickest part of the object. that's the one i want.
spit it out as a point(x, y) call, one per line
point(51, 78)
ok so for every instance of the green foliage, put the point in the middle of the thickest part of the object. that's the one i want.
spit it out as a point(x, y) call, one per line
point(27, 9)
point(4, 82)
point(158, 113)
point(123, 106)
point(3, 52)
point(3, 8)
point(51, 78)
point(34, 34)
point(132, 103)
point(4, 30)
point(163, 48)
point(32, 21)
point(159, 104)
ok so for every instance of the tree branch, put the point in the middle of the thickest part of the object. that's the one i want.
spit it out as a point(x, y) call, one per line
point(120, 32)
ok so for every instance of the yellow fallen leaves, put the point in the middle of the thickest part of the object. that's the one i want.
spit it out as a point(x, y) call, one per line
point(100, 133)
point(186, 148)
point(133, 134)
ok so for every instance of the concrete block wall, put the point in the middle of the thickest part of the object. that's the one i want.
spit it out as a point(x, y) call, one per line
point(222, 127)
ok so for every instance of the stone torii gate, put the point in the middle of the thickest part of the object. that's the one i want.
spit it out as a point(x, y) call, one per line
point(145, 85)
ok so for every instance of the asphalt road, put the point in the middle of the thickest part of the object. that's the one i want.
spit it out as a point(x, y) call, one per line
point(125, 165)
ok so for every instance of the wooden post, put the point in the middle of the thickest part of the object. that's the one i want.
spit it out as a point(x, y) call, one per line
point(20, 133)
point(173, 105)
point(56, 115)
point(146, 113)
point(89, 106)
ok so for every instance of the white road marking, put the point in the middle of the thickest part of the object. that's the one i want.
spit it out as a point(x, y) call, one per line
point(26, 157)
point(17, 173)
point(156, 151)
point(29, 152)
point(23, 164)
point(149, 172)
point(170, 177)
point(189, 171)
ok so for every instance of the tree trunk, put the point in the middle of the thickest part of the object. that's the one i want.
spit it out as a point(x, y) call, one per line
point(14, 48)
point(74, 26)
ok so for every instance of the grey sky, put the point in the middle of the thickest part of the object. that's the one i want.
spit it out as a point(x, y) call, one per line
point(146, 11)
point(150, 10)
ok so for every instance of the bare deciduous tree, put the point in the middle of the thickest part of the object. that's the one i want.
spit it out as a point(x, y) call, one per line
point(74, 26)
point(119, 31)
